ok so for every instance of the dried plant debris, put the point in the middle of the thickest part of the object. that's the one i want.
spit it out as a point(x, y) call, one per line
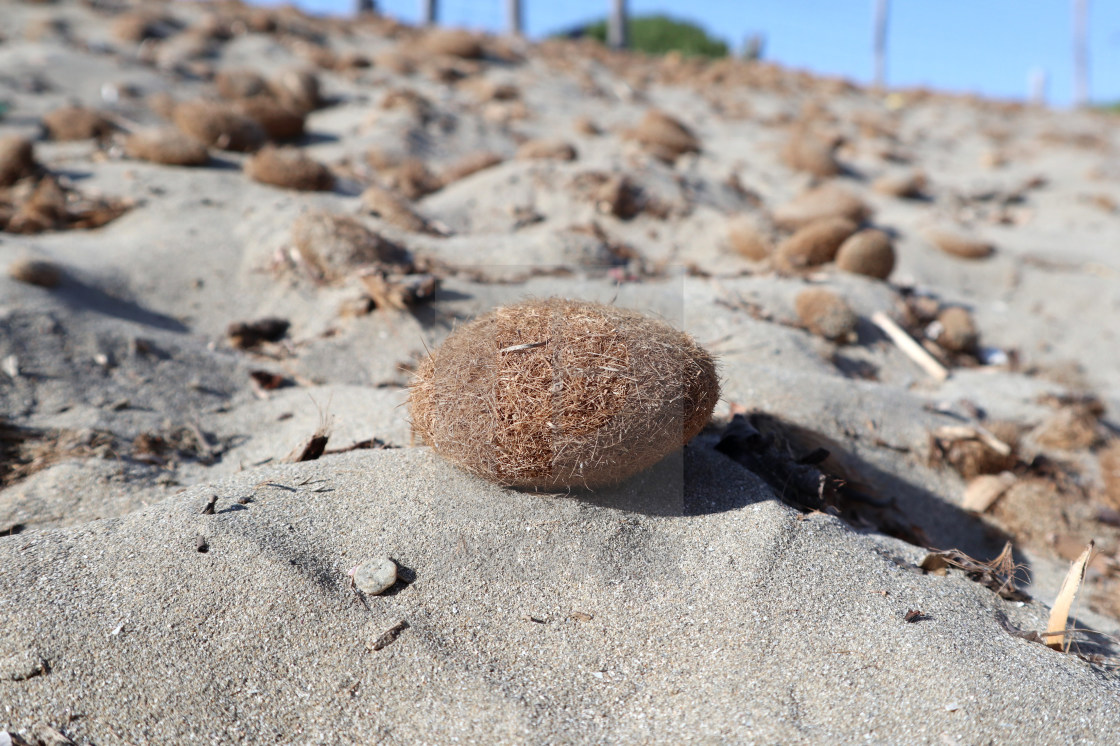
point(389, 636)
point(1109, 460)
point(560, 394)
point(264, 381)
point(394, 209)
point(546, 149)
point(1075, 425)
point(973, 450)
point(247, 335)
point(46, 204)
point(999, 574)
point(314, 446)
point(24, 451)
point(1070, 634)
point(813, 472)
point(909, 346)
point(17, 159)
point(399, 291)
point(1055, 636)
point(172, 445)
point(982, 491)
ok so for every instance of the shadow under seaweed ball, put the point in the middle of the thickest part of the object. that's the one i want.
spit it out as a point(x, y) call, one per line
point(559, 394)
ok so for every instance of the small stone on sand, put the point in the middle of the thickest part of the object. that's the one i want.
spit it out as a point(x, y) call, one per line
point(375, 576)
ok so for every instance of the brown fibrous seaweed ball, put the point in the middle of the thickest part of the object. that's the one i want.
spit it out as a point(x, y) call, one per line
point(813, 245)
point(826, 314)
point(76, 123)
point(219, 125)
point(749, 239)
point(960, 246)
point(824, 201)
point(167, 146)
point(289, 168)
point(868, 252)
point(335, 246)
point(558, 394)
point(958, 331)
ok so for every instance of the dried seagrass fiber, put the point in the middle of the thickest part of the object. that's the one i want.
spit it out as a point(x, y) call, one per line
point(559, 394)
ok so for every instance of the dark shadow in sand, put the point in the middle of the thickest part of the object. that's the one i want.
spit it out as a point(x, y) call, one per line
point(81, 296)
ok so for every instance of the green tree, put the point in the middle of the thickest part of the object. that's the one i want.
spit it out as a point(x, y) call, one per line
point(659, 34)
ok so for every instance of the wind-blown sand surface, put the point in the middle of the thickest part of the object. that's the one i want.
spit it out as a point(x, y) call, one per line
point(702, 601)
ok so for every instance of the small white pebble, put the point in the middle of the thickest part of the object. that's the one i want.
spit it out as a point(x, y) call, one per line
point(375, 576)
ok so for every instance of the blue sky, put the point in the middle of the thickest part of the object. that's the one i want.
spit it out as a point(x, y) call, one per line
point(980, 46)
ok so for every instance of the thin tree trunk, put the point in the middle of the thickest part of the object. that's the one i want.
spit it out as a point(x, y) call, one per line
point(881, 13)
point(427, 12)
point(513, 12)
point(616, 25)
point(1080, 52)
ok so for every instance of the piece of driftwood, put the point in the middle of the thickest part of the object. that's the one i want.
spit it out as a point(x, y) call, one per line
point(909, 347)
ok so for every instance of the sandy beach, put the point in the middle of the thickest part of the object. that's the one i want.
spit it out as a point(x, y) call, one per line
point(228, 229)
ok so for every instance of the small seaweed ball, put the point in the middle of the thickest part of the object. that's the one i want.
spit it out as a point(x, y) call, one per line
point(664, 136)
point(288, 168)
point(297, 89)
point(813, 245)
point(468, 165)
point(748, 238)
point(277, 120)
point(812, 154)
point(958, 332)
point(218, 125)
point(867, 252)
point(452, 43)
point(824, 201)
point(960, 246)
point(556, 393)
point(335, 246)
point(825, 313)
point(238, 84)
point(76, 123)
point(167, 146)
point(393, 209)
